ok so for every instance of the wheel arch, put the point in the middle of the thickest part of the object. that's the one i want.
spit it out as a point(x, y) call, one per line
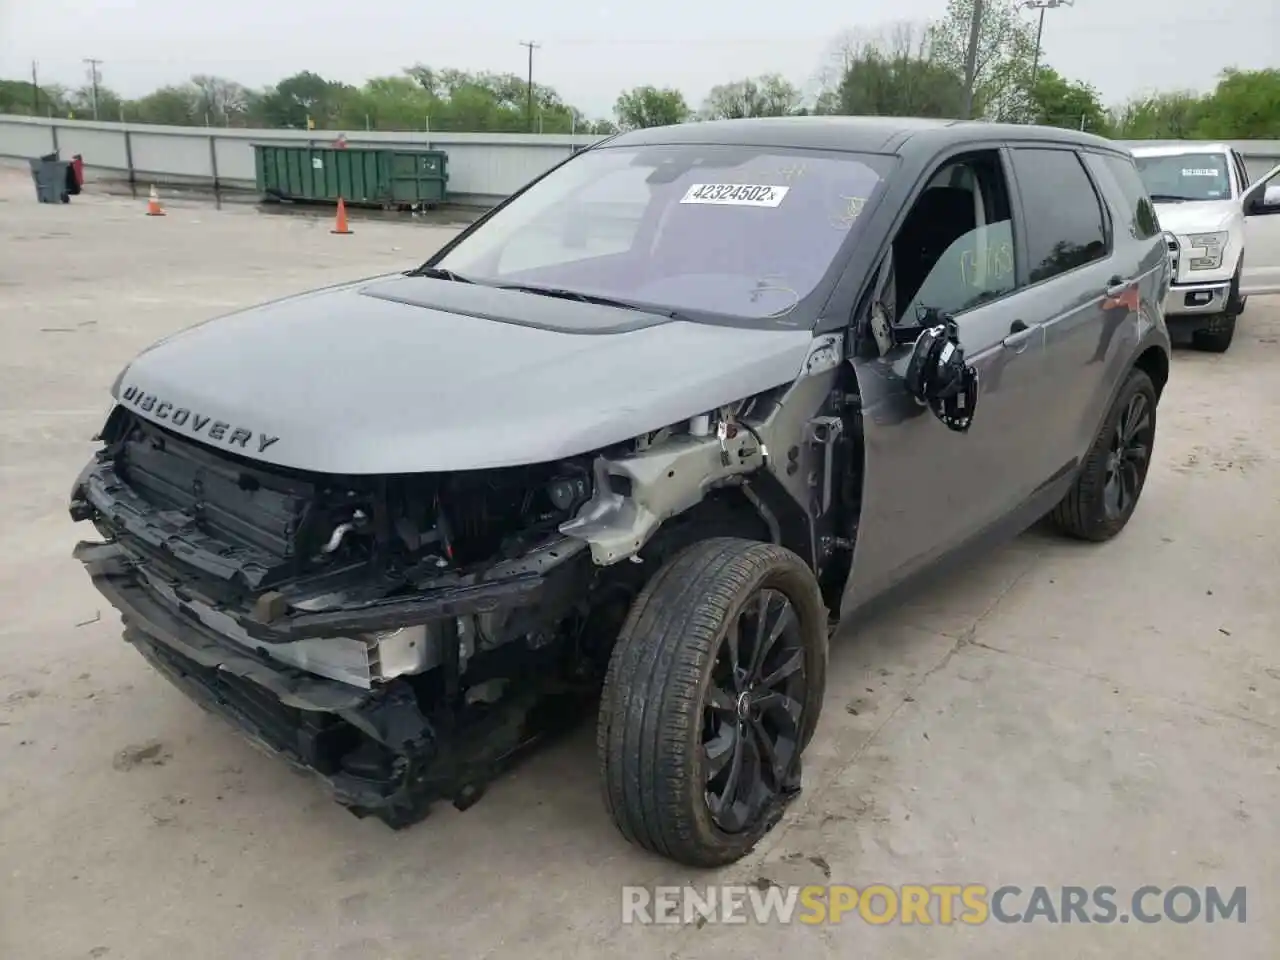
point(1154, 362)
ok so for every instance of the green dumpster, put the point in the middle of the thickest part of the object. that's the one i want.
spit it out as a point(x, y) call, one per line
point(362, 176)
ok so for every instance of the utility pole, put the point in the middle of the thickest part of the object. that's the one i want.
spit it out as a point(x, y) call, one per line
point(35, 90)
point(93, 79)
point(1042, 6)
point(532, 47)
point(971, 59)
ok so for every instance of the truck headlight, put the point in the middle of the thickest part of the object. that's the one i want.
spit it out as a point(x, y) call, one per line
point(1213, 245)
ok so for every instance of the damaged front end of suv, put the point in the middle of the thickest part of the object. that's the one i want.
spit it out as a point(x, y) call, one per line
point(403, 636)
point(400, 529)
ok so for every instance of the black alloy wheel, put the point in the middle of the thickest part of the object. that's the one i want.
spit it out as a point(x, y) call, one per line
point(1129, 456)
point(753, 712)
point(1106, 491)
point(713, 691)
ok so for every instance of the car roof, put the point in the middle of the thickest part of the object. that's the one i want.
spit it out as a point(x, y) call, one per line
point(1173, 148)
point(890, 135)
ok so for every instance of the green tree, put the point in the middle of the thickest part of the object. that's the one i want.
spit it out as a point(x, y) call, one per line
point(1162, 116)
point(301, 96)
point(649, 106)
point(79, 103)
point(1005, 55)
point(893, 74)
point(1244, 106)
point(174, 105)
point(1058, 102)
point(388, 103)
point(493, 102)
point(20, 97)
point(768, 95)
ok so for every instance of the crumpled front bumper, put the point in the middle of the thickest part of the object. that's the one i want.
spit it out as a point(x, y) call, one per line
point(382, 751)
point(301, 717)
point(277, 657)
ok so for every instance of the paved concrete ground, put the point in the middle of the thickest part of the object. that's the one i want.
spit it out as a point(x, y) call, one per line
point(1058, 714)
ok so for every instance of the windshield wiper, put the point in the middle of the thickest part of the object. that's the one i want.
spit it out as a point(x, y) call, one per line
point(439, 273)
point(1168, 198)
point(563, 294)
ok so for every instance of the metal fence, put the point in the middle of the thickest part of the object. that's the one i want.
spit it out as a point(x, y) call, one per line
point(483, 167)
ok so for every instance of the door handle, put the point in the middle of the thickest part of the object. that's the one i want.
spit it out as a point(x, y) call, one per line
point(1121, 293)
point(1019, 337)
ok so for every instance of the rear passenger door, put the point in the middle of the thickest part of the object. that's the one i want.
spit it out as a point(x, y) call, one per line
point(1075, 281)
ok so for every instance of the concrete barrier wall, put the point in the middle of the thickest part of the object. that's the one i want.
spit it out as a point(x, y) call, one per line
point(483, 167)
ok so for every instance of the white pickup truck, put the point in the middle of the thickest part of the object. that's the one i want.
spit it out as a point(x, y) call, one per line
point(1223, 233)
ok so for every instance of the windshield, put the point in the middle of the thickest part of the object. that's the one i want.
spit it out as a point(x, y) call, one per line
point(734, 231)
point(1185, 176)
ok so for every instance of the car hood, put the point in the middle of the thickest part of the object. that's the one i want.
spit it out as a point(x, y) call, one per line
point(411, 374)
point(1197, 216)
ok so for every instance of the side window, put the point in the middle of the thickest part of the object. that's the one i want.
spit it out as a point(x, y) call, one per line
point(975, 269)
point(1066, 225)
point(1143, 224)
point(954, 251)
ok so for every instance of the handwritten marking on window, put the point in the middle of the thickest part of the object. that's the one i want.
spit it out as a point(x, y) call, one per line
point(992, 269)
point(851, 209)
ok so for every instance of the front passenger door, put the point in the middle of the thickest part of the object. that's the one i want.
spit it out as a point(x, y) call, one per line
point(931, 488)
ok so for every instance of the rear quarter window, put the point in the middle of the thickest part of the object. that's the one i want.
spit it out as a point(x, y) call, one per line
point(1143, 223)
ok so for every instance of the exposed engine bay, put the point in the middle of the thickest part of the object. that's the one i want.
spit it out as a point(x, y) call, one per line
point(278, 550)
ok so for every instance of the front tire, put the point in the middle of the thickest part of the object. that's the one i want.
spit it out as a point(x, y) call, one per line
point(1110, 483)
point(1217, 337)
point(713, 691)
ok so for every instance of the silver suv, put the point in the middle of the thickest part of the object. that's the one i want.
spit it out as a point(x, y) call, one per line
point(641, 434)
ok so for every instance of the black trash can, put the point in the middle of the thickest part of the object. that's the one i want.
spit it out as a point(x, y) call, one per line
point(55, 179)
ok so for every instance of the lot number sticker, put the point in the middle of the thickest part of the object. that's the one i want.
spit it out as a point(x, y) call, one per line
point(735, 194)
point(1201, 172)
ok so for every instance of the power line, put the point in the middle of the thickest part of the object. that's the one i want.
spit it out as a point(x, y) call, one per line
point(532, 47)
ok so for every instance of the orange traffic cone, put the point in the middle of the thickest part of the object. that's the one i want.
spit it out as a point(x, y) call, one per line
point(153, 204)
point(340, 224)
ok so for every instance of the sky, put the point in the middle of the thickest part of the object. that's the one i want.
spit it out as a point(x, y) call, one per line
point(591, 51)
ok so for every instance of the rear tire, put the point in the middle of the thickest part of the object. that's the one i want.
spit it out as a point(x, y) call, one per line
point(1110, 482)
point(685, 703)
